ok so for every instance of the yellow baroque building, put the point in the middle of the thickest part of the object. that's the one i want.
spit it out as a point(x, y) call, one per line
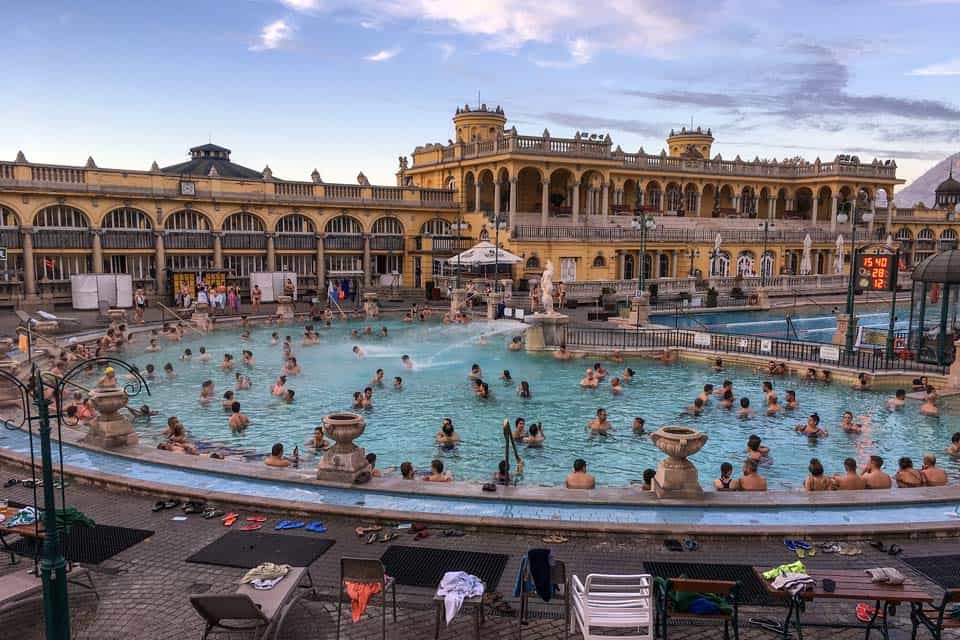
point(572, 200)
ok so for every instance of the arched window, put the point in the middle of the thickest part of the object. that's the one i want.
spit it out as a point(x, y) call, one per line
point(61, 216)
point(295, 223)
point(344, 225)
point(720, 265)
point(243, 222)
point(766, 264)
point(690, 199)
point(452, 183)
point(674, 199)
point(187, 220)
point(746, 264)
point(436, 227)
point(126, 218)
point(925, 234)
point(599, 261)
point(8, 218)
point(904, 234)
point(948, 234)
point(533, 262)
point(387, 227)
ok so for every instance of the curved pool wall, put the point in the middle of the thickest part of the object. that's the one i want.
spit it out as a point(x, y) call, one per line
point(747, 519)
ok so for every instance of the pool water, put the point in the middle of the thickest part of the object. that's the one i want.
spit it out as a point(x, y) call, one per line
point(402, 424)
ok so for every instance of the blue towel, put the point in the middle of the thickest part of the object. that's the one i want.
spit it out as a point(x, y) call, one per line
point(703, 607)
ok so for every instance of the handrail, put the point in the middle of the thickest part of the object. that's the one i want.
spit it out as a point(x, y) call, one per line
point(186, 323)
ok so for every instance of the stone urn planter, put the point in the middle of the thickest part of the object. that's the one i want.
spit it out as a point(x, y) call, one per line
point(344, 461)
point(110, 429)
point(285, 307)
point(676, 476)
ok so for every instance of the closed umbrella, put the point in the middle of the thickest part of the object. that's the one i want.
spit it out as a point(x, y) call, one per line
point(805, 266)
point(838, 260)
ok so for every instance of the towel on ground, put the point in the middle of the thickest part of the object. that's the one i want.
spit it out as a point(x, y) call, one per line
point(794, 583)
point(455, 587)
point(265, 571)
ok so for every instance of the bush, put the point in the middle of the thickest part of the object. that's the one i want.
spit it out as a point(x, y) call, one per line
point(654, 290)
point(711, 297)
point(737, 293)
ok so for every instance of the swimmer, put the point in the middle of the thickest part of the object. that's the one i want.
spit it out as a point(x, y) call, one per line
point(168, 369)
point(898, 400)
point(291, 368)
point(483, 391)
point(726, 482)
point(206, 391)
point(727, 384)
point(368, 331)
point(562, 353)
point(243, 382)
point(383, 332)
point(811, 374)
point(929, 406)
point(767, 388)
point(406, 361)
point(590, 380)
point(520, 431)
point(280, 386)
point(726, 402)
point(227, 402)
point(447, 437)
point(227, 363)
point(744, 411)
point(288, 396)
point(617, 357)
point(848, 425)
point(536, 437)
point(482, 340)
point(600, 424)
point(524, 390)
point(954, 449)
point(516, 344)
point(862, 383)
point(397, 383)
point(755, 450)
point(507, 379)
point(812, 428)
point(318, 443)
point(717, 368)
point(247, 358)
point(639, 425)
point(773, 405)
point(627, 375)
point(358, 352)
point(238, 421)
point(706, 393)
point(153, 346)
point(475, 372)
point(187, 354)
point(792, 402)
point(274, 338)
point(245, 336)
point(357, 400)
point(368, 398)
point(109, 379)
point(615, 387)
point(599, 371)
point(149, 372)
point(437, 474)
point(204, 356)
point(378, 378)
point(696, 408)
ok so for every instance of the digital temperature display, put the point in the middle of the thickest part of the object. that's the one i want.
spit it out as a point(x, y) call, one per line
point(876, 272)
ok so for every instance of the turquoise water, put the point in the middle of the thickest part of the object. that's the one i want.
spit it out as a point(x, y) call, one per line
point(402, 424)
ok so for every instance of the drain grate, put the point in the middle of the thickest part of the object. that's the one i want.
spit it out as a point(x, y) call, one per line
point(425, 566)
point(199, 587)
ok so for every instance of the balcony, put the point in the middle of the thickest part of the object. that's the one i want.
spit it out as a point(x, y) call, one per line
point(343, 242)
point(127, 239)
point(386, 243)
point(242, 240)
point(295, 241)
point(10, 238)
point(62, 238)
point(187, 240)
point(611, 234)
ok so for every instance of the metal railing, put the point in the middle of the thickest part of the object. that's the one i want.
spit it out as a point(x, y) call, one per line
point(288, 241)
point(386, 243)
point(659, 234)
point(62, 238)
point(343, 242)
point(187, 240)
point(127, 239)
point(243, 240)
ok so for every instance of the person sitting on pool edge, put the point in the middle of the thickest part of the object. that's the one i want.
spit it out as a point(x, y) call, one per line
point(933, 476)
point(437, 474)
point(751, 480)
point(873, 475)
point(600, 424)
point(850, 480)
point(726, 482)
point(816, 481)
point(579, 478)
point(276, 459)
point(907, 477)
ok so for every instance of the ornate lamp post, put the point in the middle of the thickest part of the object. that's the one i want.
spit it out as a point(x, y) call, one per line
point(842, 218)
point(497, 221)
point(692, 253)
point(766, 225)
point(643, 223)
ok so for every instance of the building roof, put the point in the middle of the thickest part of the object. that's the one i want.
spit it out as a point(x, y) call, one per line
point(948, 186)
point(943, 267)
point(212, 160)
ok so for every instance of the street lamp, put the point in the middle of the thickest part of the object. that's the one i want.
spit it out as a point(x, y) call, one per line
point(766, 225)
point(842, 218)
point(643, 223)
point(692, 253)
point(497, 221)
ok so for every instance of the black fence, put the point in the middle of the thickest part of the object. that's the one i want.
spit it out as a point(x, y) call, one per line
point(777, 349)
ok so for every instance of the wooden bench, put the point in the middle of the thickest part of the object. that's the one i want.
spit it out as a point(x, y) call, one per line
point(723, 588)
point(935, 619)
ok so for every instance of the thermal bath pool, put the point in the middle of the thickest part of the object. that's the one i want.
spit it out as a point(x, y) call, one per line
point(402, 424)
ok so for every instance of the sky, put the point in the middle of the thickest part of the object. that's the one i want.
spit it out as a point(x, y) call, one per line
point(350, 85)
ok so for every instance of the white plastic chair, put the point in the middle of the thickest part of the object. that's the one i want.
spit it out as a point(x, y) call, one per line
point(612, 602)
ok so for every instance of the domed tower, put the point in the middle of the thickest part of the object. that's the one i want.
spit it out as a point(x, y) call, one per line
point(689, 144)
point(480, 124)
point(948, 193)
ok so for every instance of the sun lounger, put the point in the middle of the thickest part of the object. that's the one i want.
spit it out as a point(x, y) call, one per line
point(251, 611)
point(19, 587)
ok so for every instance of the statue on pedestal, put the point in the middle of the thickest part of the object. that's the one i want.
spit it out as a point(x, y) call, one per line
point(546, 285)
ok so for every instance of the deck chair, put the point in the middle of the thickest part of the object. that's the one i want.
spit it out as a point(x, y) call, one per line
point(366, 571)
point(558, 578)
point(251, 611)
point(19, 587)
point(612, 602)
point(46, 315)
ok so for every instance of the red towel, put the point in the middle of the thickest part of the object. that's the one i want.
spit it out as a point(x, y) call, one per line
point(360, 593)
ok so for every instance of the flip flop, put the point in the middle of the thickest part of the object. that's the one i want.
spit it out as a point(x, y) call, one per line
point(158, 506)
point(453, 533)
point(387, 537)
point(421, 535)
point(672, 545)
point(362, 531)
point(802, 544)
point(251, 527)
point(260, 519)
point(790, 544)
point(879, 546)
point(373, 538)
point(316, 527)
point(230, 518)
point(171, 504)
point(289, 524)
point(865, 612)
point(193, 507)
point(9, 483)
point(691, 545)
point(554, 539)
point(894, 550)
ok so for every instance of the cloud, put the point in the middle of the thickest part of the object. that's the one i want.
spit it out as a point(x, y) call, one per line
point(446, 50)
point(583, 122)
point(303, 6)
point(382, 55)
point(273, 36)
point(951, 68)
point(580, 50)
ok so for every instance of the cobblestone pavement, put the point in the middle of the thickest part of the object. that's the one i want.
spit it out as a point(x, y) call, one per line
point(144, 590)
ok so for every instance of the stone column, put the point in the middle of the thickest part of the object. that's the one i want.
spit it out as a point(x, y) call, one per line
point(496, 199)
point(271, 253)
point(218, 250)
point(872, 217)
point(655, 270)
point(575, 204)
point(605, 201)
point(545, 203)
point(813, 210)
point(697, 202)
point(513, 201)
point(736, 204)
point(29, 266)
point(834, 201)
point(663, 202)
point(673, 262)
point(890, 209)
point(97, 251)
point(161, 266)
point(771, 208)
point(476, 200)
point(367, 267)
point(321, 269)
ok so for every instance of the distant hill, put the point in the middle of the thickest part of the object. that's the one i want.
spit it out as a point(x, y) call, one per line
point(921, 189)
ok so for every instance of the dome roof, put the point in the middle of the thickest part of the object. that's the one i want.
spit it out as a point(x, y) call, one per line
point(949, 185)
point(210, 160)
point(943, 267)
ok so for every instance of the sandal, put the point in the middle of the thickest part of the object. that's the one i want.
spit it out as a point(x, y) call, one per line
point(453, 533)
point(690, 544)
point(554, 539)
point(387, 537)
point(251, 527)
point(230, 518)
point(316, 527)
point(210, 513)
point(193, 507)
point(158, 506)
point(362, 531)
point(895, 550)
point(288, 524)
point(173, 503)
point(371, 538)
point(260, 519)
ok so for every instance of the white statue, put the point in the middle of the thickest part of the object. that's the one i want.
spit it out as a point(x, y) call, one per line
point(546, 285)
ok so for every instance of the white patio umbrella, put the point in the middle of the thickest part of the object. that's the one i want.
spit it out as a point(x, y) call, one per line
point(889, 241)
point(482, 254)
point(805, 266)
point(838, 260)
point(716, 253)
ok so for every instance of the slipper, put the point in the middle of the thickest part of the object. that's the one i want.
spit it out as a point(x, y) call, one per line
point(9, 483)
point(691, 545)
point(387, 537)
point(316, 527)
point(193, 507)
point(830, 547)
point(158, 506)
point(422, 534)
point(210, 513)
point(865, 612)
point(171, 504)
point(289, 524)
point(453, 533)
point(251, 527)
point(260, 519)
point(879, 546)
point(372, 538)
point(230, 518)
point(554, 539)
point(672, 545)
point(895, 550)
point(802, 544)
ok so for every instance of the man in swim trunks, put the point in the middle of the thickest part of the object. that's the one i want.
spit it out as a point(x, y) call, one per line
point(850, 480)
point(579, 478)
point(751, 480)
point(874, 476)
point(600, 424)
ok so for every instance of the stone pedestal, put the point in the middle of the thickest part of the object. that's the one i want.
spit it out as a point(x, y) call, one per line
point(9, 392)
point(344, 461)
point(840, 335)
point(201, 316)
point(371, 305)
point(676, 476)
point(285, 308)
point(117, 316)
point(457, 296)
point(493, 300)
point(110, 429)
point(763, 298)
point(547, 331)
point(953, 377)
point(639, 312)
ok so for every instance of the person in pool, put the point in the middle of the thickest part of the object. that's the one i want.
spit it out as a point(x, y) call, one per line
point(907, 477)
point(276, 459)
point(227, 364)
point(407, 472)
point(318, 443)
point(726, 482)
point(706, 393)
point(206, 391)
point(615, 387)
point(898, 400)
point(579, 478)
point(507, 379)
point(288, 396)
point(483, 391)
point(203, 356)
point(755, 450)
point(696, 408)
point(627, 375)
point(280, 386)
point(406, 361)
point(638, 426)
point(520, 430)
point(536, 437)
point(717, 368)
point(437, 474)
point(357, 400)
point(751, 480)
point(929, 406)
point(792, 402)
point(243, 382)
point(475, 372)
point(816, 481)
point(953, 449)
point(516, 344)
point(773, 405)
point(767, 388)
point(227, 402)
point(149, 372)
point(292, 368)
point(378, 378)
point(726, 402)
point(397, 383)
point(850, 480)
point(812, 428)
point(599, 371)
point(168, 369)
point(187, 355)
point(247, 358)
point(933, 476)
point(358, 352)
point(238, 420)
point(600, 424)
point(589, 380)
point(848, 425)
point(153, 346)
point(368, 397)
point(874, 475)
point(562, 353)
point(862, 383)
point(727, 385)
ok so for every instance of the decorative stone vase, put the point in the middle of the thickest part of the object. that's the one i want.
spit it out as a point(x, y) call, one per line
point(110, 429)
point(201, 316)
point(117, 316)
point(344, 461)
point(371, 305)
point(676, 476)
point(285, 307)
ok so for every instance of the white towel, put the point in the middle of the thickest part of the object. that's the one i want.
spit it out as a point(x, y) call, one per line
point(455, 587)
point(793, 582)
